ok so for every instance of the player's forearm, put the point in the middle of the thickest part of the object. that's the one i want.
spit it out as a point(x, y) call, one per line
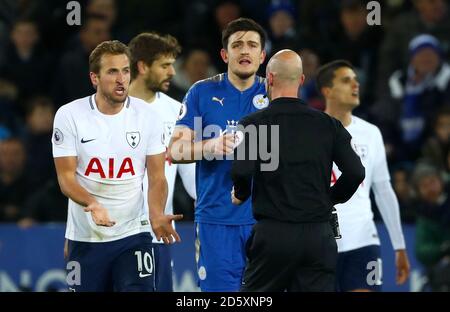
point(73, 190)
point(184, 151)
point(157, 196)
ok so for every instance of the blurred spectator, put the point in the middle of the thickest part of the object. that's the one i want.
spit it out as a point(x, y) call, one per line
point(45, 204)
point(195, 65)
point(282, 27)
point(136, 16)
point(308, 91)
point(27, 64)
point(433, 225)
point(105, 8)
point(38, 133)
point(109, 11)
point(354, 40)
point(428, 16)
point(14, 182)
point(3, 41)
point(72, 80)
point(220, 14)
point(416, 94)
point(436, 148)
point(401, 182)
point(317, 20)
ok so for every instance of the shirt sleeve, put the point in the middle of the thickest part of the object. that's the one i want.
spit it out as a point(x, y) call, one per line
point(187, 174)
point(381, 173)
point(390, 212)
point(385, 197)
point(155, 144)
point(189, 108)
point(64, 136)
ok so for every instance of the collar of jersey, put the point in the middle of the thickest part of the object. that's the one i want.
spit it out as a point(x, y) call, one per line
point(94, 107)
point(231, 86)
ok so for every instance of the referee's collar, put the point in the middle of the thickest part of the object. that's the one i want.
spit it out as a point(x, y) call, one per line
point(287, 100)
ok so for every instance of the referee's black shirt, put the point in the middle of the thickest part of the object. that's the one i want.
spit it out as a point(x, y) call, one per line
point(299, 189)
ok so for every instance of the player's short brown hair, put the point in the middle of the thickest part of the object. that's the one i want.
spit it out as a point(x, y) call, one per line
point(243, 24)
point(113, 47)
point(148, 47)
point(325, 74)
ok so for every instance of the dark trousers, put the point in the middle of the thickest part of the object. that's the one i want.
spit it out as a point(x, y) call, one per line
point(290, 257)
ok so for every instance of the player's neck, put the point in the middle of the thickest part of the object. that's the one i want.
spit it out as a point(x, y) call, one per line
point(343, 115)
point(107, 107)
point(139, 90)
point(239, 83)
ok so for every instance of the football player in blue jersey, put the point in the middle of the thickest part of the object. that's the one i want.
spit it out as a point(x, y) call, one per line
point(204, 133)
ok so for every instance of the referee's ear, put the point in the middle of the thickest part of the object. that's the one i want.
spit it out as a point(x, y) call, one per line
point(302, 79)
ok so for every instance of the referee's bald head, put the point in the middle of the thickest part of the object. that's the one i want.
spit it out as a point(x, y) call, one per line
point(286, 65)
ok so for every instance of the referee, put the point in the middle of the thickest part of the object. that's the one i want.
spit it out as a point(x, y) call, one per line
point(292, 246)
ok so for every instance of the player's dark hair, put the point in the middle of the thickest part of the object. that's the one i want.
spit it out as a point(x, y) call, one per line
point(242, 24)
point(148, 47)
point(325, 74)
point(113, 47)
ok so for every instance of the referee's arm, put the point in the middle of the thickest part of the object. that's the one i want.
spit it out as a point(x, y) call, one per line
point(243, 169)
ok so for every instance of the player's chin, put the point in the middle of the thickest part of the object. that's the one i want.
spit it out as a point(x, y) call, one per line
point(164, 87)
point(119, 98)
point(245, 74)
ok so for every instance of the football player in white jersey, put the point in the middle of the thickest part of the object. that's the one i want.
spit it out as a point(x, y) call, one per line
point(152, 58)
point(359, 263)
point(102, 145)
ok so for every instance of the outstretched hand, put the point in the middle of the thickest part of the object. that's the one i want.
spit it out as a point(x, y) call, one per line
point(99, 215)
point(163, 229)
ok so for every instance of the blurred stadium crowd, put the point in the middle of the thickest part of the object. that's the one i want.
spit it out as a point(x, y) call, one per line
point(402, 66)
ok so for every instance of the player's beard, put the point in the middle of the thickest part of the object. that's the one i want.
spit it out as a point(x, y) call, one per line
point(115, 100)
point(244, 75)
point(156, 86)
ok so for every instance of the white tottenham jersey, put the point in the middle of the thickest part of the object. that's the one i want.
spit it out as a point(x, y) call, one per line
point(111, 153)
point(169, 109)
point(355, 216)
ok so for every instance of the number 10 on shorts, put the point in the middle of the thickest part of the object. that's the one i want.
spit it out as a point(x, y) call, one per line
point(144, 263)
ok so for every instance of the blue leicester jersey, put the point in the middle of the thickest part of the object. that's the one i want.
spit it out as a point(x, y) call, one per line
point(219, 103)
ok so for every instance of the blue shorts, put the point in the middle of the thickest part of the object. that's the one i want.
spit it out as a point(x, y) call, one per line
point(359, 269)
point(126, 264)
point(220, 255)
point(163, 268)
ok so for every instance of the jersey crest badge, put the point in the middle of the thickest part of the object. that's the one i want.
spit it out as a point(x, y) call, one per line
point(133, 138)
point(260, 101)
